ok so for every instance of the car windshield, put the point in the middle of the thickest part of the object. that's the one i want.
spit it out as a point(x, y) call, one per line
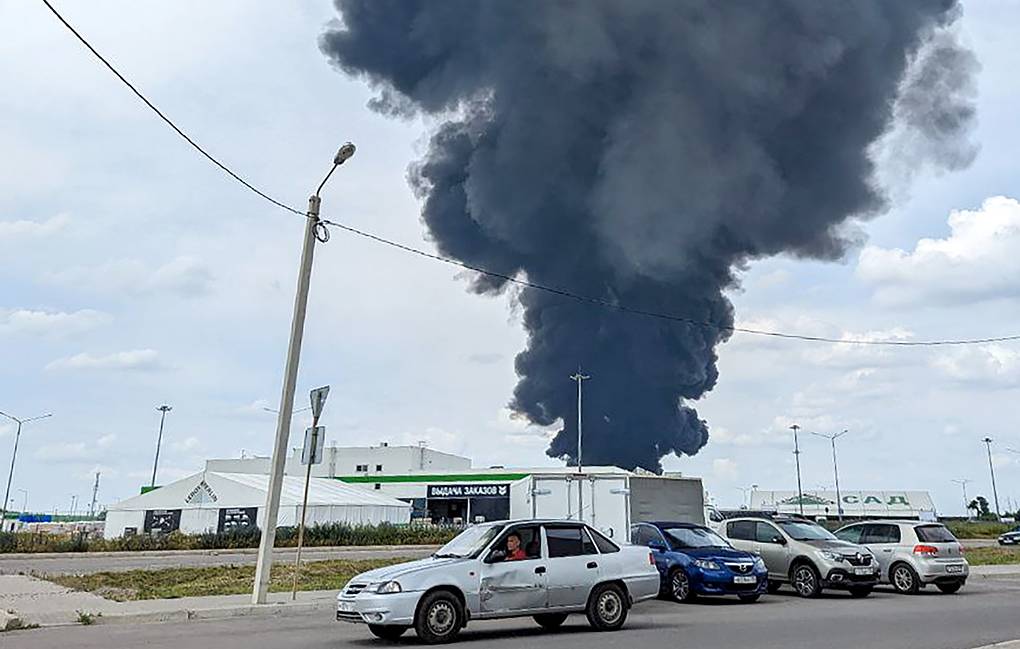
point(806, 531)
point(694, 537)
point(469, 542)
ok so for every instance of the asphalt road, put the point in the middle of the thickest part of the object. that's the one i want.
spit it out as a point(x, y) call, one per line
point(986, 611)
point(70, 563)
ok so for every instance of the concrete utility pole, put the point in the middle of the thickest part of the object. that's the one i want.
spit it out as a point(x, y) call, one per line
point(991, 469)
point(314, 231)
point(95, 493)
point(14, 457)
point(796, 455)
point(579, 378)
point(966, 503)
point(835, 468)
point(163, 409)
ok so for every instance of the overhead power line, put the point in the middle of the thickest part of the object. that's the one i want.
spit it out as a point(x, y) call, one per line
point(599, 302)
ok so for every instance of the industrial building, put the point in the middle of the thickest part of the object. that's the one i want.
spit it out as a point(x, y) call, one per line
point(219, 502)
point(855, 504)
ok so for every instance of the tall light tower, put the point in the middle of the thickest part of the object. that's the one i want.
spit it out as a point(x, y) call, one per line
point(163, 409)
point(315, 230)
point(966, 503)
point(991, 469)
point(835, 469)
point(579, 378)
point(14, 457)
point(796, 455)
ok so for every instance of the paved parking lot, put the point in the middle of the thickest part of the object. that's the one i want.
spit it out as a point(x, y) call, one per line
point(986, 611)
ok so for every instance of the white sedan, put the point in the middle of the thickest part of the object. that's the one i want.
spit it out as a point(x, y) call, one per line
point(543, 569)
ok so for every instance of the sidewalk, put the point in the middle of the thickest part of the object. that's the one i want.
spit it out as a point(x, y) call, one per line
point(38, 602)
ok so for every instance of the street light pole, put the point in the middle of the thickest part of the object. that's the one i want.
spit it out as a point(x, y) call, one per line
point(163, 409)
point(991, 469)
point(966, 503)
point(14, 457)
point(579, 378)
point(835, 469)
point(297, 327)
point(796, 455)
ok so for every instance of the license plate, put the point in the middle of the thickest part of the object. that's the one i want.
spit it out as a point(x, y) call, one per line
point(345, 607)
point(742, 579)
point(954, 568)
point(862, 571)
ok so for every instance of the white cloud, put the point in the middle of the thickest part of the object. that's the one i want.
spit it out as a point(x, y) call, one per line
point(106, 440)
point(10, 230)
point(723, 468)
point(64, 452)
point(183, 275)
point(133, 360)
point(979, 260)
point(854, 355)
point(986, 366)
point(187, 444)
point(50, 323)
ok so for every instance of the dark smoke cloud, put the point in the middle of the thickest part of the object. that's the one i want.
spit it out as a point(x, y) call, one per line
point(640, 151)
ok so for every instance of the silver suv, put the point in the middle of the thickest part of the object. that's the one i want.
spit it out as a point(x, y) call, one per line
point(912, 554)
point(805, 555)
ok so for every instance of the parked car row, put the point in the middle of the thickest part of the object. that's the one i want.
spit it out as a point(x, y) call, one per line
point(550, 569)
point(751, 555)
point(1011, 537)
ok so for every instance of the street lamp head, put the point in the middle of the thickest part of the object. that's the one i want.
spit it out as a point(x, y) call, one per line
point(164, 408)
point(344, 154)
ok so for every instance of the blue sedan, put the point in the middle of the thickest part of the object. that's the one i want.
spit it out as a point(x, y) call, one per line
point(693, 560)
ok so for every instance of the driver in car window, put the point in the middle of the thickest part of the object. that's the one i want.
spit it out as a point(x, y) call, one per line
point(514, 551)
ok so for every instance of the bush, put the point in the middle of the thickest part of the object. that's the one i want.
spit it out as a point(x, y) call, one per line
point(317, 535)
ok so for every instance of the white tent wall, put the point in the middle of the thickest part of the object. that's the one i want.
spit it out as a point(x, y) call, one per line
point(373, 515)
point(117, 521)
point(199, 521)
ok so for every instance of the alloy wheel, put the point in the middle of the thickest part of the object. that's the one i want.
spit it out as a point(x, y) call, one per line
point(902, 579)
point(804, 581)
point(680, 585)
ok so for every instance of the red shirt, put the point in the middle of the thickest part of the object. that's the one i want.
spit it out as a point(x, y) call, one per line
point(516, 555)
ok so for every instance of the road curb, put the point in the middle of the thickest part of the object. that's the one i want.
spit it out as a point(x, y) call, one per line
point(1007, 644)
point(13, 556)
point(177, 616)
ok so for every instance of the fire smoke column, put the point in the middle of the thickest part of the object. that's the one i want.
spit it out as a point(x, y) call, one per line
point(642, 152)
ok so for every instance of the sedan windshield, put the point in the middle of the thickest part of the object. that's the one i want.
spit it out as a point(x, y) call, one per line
point(694, 537)
point(806, 531)
point(469, 542)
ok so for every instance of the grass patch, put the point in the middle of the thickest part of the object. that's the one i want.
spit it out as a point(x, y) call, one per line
point(172, 583)
point(978, 529)
point(993, 556)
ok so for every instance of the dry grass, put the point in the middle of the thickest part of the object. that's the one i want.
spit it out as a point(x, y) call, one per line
point(172, 583)
point(993, 556)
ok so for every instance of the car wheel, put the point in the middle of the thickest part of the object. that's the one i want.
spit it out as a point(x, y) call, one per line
point(439, 618)
point(860, 591)
point(774, 586)
point(550, 621)
point(904, 579)
point(680, 586)
point(950, 588)
point(806, 581)
point(749, 598)
point(607, 608)
point(387, 632)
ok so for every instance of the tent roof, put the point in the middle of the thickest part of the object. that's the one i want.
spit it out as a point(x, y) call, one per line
point(213, 489)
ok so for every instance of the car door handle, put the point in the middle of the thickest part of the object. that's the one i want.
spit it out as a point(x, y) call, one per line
point(887, 550)
point(540, 570)
point(592, 564)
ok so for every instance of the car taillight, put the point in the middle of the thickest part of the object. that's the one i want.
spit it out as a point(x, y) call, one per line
point(926, 550)
point(963, 550)
point(651, 558)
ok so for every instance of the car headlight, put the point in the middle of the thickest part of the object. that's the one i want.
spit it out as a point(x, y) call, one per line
point(832, 556)
point(706, 564)
point(388, 588)
point(759, 564)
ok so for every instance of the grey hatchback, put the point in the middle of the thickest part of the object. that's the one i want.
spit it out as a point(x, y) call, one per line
point(912, 554)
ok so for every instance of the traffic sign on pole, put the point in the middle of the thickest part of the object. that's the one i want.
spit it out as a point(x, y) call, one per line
point(318, 397)
point(315, 441)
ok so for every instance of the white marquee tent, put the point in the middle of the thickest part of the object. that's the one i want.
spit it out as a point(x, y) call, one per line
point(211, 501)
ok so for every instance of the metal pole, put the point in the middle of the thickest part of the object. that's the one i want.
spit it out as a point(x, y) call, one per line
point(580, 487)
point(159, 441)
point(966, 503)
point(304, 506)
point(272, 508)
point(796, 455)
point(991, 469)
point(10, 476)
point(835, 470)
point(95, 493)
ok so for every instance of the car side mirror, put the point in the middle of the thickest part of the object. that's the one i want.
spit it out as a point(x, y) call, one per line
point(658, 546)
point(496, 556)
point(778, 539)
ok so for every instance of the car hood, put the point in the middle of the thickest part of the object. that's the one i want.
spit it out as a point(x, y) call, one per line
point(716, 553)
point(1010, 533)
point(834, 545)
point(403, 569)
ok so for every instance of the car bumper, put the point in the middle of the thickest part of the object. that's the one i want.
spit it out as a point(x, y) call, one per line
point(1009, 540)
point(849, 577)
point(711, 582)
point(642, 587)
point(394, 609)
point(938, 571)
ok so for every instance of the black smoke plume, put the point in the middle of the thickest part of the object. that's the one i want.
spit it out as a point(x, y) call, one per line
point(642, 151)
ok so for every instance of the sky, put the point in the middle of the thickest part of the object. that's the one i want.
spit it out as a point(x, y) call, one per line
point(135, 273)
